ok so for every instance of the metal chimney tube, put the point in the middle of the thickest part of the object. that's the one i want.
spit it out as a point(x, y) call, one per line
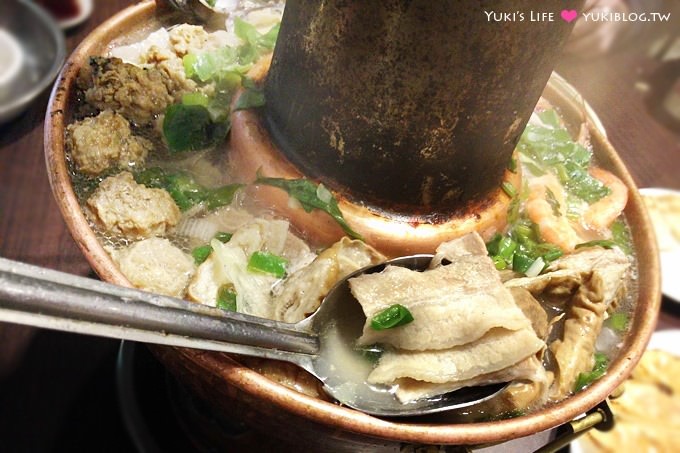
point(410, 106)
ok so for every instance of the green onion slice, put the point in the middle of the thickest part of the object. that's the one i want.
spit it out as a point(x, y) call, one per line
point(226, 297)
point(267, 263)
point(599, 369)
point(618, 322)
point(201, 253)
point(605, 243)
point(223, 236)
point(393, 316)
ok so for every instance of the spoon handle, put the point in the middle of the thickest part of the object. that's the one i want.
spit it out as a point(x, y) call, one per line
point(46, 298)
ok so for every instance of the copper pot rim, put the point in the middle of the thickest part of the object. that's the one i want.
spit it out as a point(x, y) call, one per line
point(258, 386)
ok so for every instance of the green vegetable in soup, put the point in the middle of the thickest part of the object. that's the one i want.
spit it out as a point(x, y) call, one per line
point(255, 43)
point(520, 248)
point(201, 253)
point(311, 196)
point(196, 98)
point(393, 316)
point(223, 237)
point(221, 196)
point(231, 63)
point(604, 243)
point(267, 263)
point(251, 97)
point(509, 189)
point(621, 237)
point(201, 121)
point(550, 148)
point(226, 297)
point(191, 127)
point(522, 261)
point(552, 201)
point(220, 64)
point(618, 322)
point(599, 369)
point(185, 191)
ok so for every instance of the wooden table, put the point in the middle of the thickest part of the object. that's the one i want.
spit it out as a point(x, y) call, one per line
point(31, 228)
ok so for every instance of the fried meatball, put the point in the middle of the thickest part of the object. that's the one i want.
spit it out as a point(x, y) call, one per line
point(121, 206)
point(139, 94)
point(155, 265)
point(105, 141)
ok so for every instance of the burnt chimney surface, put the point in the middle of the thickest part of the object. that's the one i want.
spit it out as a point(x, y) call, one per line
point(409, 106)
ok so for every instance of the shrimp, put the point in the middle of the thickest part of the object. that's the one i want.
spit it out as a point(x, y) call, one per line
point(601, 214)
point(546, 207)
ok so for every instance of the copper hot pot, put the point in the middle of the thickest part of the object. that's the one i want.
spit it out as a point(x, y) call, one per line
point(287, 414)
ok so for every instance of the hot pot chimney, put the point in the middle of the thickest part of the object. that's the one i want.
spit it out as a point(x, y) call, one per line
point(409, 106)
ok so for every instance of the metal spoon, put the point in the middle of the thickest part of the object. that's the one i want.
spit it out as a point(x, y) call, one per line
point(321, 344)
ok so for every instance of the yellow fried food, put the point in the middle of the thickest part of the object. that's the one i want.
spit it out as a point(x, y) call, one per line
point(664, 210)
point(648, 412)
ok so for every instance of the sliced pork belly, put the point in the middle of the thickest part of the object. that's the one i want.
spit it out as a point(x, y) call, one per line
point(452, 305)
point(467, 328)
point(498, 349)
point(528, 373)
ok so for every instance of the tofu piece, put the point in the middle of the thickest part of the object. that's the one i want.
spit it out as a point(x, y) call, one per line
point(121, 206)
point(105, 141)
point(205, 283)
point(592, 279)
point(185, 39)
point(228, 264)
point(156, 265)
point(302, 293)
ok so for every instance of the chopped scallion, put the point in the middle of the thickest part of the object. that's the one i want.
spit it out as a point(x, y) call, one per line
point(605, 243)
point(221, 196)
point(618, 322)
point(223, 237)
point(521, 262)
point(552, 201)
point(493, 245)
point(393, 316)
point(201, 253)
point(506, 248)
point(267, 263)
point(535, 268)
point(621, 236)
point(552, 255)
point(226, 297)
point(499, 263)
point(509, 189)
point(599, 369)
